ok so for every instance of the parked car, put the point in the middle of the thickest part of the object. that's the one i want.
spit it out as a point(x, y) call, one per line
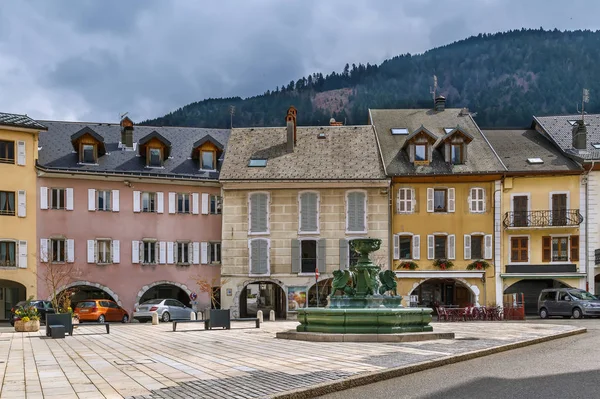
point(567, 302)
point(167, 309)
point(100, 310)
point(42, 306)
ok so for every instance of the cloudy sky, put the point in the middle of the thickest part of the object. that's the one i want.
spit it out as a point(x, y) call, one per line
point(90, 60)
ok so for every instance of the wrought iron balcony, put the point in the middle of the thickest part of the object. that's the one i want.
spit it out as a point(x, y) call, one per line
point(546, 218)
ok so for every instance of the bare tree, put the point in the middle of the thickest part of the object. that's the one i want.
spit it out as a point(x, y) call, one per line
point(55, 276)
point(208, 286)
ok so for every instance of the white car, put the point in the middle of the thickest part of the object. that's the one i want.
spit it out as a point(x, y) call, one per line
point(167, 309)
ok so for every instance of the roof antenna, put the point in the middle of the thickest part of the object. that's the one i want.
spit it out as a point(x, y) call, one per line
point(122, 116)
point(231, 113)
point(433, 89)
point(585, 99)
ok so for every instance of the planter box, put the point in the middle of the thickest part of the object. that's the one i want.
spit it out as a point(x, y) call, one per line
point(64, 319)
point(27, 326)
point(219, 318)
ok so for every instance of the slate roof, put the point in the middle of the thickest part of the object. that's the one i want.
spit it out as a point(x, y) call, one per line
point(346, 153)
point(560, 131)
point(20, 121)
point(515, 146)
point(57, 152)
point(480, 156)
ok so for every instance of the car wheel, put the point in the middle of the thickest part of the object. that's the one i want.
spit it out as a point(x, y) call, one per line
point(577, 314)
point(166, 317)
point(101, 319)
point(543, 313)
point(125, 319)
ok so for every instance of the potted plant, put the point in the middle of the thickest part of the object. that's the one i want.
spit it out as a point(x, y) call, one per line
point(56, 276)
point(478, 265)
point(408, 265)
point(28, 319)
point(443, 264)
point(216, 316)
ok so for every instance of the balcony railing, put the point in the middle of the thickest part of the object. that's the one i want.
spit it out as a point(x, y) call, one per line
point(546, 218)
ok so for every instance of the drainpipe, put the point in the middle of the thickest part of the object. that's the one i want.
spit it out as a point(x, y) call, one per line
point(587, 231)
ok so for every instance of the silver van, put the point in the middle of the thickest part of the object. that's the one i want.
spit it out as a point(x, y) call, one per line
point(567, 302)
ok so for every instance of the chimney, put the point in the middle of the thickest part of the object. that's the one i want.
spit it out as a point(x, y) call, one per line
point(579, 135)
point(290, 121)
point(440, 103)
point(127, 132)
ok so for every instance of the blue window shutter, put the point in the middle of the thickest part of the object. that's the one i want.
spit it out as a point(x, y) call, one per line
point(351, 212)
point(264, 257)
point(295, 256)
point(258, 213)
point(360, 212)
point(308, 212)
point(255, 256)
point(343, 254)
point(322, 254)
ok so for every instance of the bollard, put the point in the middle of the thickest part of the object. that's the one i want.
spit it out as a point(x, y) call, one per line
point(200, 315)
point(154, 318)
point(192, 315)
point(272, 315)
point(259, 316)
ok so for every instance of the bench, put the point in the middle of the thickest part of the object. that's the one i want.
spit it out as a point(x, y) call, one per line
point(95, 324)
point(56, 331)
point(175, 322)
point(255, 319)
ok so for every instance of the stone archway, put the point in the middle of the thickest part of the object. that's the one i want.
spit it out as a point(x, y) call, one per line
point(91, 284)
point(235, 308)
point(471, 287)
point(145, 288)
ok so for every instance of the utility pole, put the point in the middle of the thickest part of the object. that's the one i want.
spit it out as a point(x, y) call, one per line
point(585, 99)
point(231, 113)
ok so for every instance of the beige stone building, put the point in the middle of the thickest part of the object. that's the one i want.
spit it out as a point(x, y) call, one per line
point(293, 199)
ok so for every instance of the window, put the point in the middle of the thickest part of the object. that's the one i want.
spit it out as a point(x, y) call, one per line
point(356, 212)
point(477, 247)
point(148, 202)
point(400, 130)
point(257, 163)
point(259, 256)
point(405, 247)
point(477, 200)
point(7, 151)
point(8, 253)
point(259, 213)
point(208, 160)
point(560, 249)
point(420, 152)
point(88, 153)
point(519, 249)
point(183, 252)
point(440, 247)
point(155, 158)
point(183, 203)
point(103, 254)
point(57, 198)
point(309, 213)
point(456, 153)
point(439, 200)
point(149, 252)
point(535, 161)
point(58, 250)
point(215, 204)
point(596, 145)
point(405, 200)
point(7, 203)
point(214, 252)
point(308, 256)
point(559, 209)
point(548, 296)
point(103, 200)
point(556, 249)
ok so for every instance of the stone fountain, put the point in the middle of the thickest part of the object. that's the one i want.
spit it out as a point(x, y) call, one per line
point(364, 301)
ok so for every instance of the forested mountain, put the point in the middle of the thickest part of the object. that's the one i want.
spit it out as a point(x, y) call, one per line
point(504, 77)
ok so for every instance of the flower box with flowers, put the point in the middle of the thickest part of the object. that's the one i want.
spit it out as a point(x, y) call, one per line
point(443, 264)
point(478, 265)
point(28, 319)
point(408, 265)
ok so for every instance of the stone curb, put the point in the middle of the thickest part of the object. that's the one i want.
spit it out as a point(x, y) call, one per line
point(376, 376)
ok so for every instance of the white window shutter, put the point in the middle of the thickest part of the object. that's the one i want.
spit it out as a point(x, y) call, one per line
point(451, 246)
point(196, 253)
point(430, 200)
point(43, 197)
point(70, 250)
point(22, 204)
point(21, 153)
point(171, 202)
point(44, 250)
point(430, 247)
point(23, 254)
point(413, 200)
point(135, 252)
point(396, 246)
point(116, 251)
point(195, 203)
point(176, 252)
point(190, 252)
point(91, 199)
point(205, 203)
point(451, 200)
point(170, 252)
point(398, 210)
point(204, 253)
point(416, 249)
point(69, 199)
point(160, 202)
point(115, 200)
point(471, 199)
point(483, 200)
point(467, 246)
point(91, 251)
point(488, 240)
point(137, 198)
point(162, 259)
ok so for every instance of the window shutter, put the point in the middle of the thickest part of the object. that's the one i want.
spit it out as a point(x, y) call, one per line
point(91, 199)
point(398, 201)
point(488, 242)
point(471, 200)
point(137, 201)
point(204, 253)
point(430, 247)
point(23, 254)
point(162, 252)
point(70, 250)
point(135, 251)
point(264, 257)
point(205, 198)
point(546, 249)
point(416, 249)
point(44, 250)
point(309, 212)
point(351, 223)
point(22, 203)
point(21, 153)
point(396, 247)
point(196, 253)
point(160, 202)
point(361, 211)
point(69, 199)
point(91, 251)
point(451, 247)
point(115, 200)
point(322, 255)
point(156, 254)
point(343, 254)
point(195, 203)
point(262, 213)
point(43, 197)
point(254, 256)
point(171, 202)
point(176, 252)
point(574, 248)
point(296, 256)
point(430, 201)
point(190, 247)
point(170, 252)
point(413, 200)
point(115, 250)
point(467, 246)
point(258, 213)
point(483, 200)
point(451, 200)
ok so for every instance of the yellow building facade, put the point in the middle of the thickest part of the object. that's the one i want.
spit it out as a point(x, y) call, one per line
point(18, 248)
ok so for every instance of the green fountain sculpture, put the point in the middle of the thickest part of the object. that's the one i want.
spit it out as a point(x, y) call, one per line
point(363, 300)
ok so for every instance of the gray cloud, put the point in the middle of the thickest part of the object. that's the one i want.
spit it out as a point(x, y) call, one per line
point(91, 60)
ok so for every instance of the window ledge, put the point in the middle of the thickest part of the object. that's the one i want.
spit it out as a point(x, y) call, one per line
point(10, 268)
point(259, 275)
point(477, 212)
point(207, 170)
point(154, 167)
point(87, 164)
point(183, 263)
point(405, 213)
point(309, 232)
point(356, 232)
point(259, 233)
point(309, 274)
point(103, 264)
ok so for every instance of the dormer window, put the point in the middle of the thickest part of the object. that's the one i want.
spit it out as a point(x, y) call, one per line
point(155, 148)
point(420, 152)
point(207, 151)
point(155, 158)
point(208, 160)
point(89, 146)
point(418, 146)
point(454, 145)
point(456, 154)
point(89, 153)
